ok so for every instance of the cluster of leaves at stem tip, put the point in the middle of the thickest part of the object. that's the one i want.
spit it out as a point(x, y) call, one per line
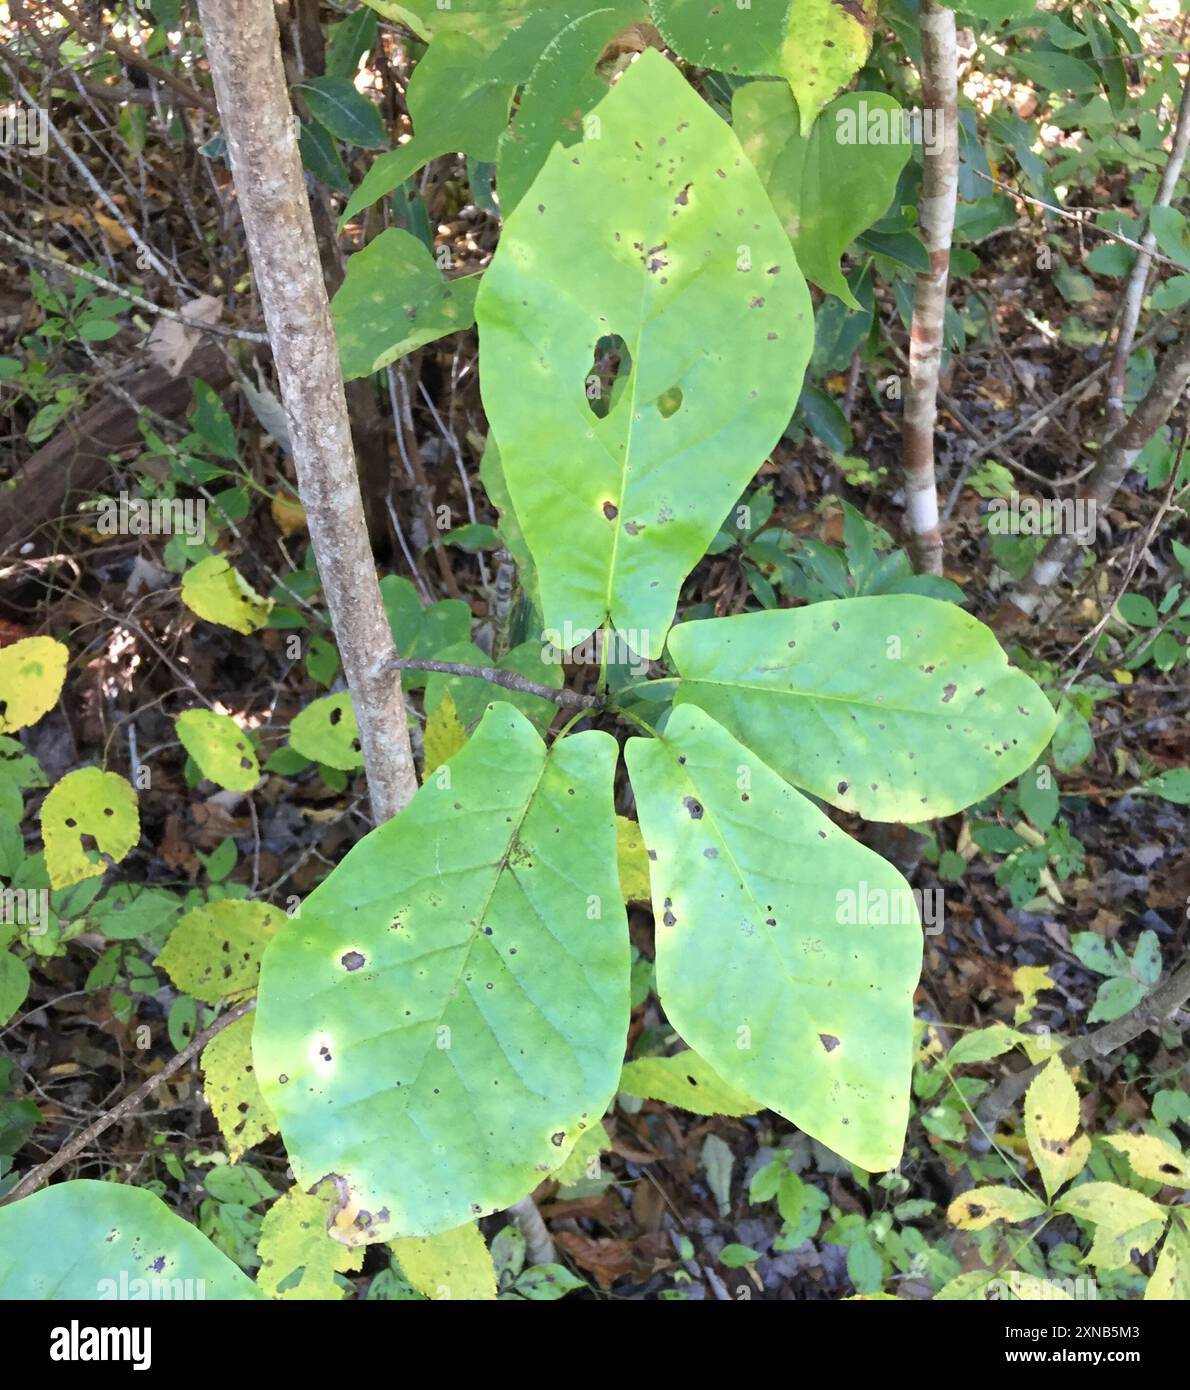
point(442, 1025)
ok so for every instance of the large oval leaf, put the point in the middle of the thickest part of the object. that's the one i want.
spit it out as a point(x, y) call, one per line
point(787, 954)
point(447, 1013)
point(656, 231)
point(896, 707)
point(98, 1240)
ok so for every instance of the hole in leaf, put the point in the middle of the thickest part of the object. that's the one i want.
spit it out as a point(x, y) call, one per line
point(604, 383)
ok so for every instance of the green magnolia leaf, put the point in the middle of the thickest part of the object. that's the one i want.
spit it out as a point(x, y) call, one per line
point(895, 707)
point(326, 732)
point(422, 632)
point(787, 954)
point(87, 802)
point(393, 300)
point(458, 988)
point(32, 672)
point(98, 1240)
point(563, 82)
point(220, 748)
point(717, 330)
point(687, 1080)
point(834, 183)
point(346, 113)
point(816, 45)
point(219, 593)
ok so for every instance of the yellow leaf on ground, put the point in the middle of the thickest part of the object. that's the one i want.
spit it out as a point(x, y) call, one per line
point(214, 951)
point(89, 802)
point(1153, 1158)
point(975, 1210)
point(455, 1265)
point(1124, 1221)
point(686, 1080)
point(633, 860)
point(1171, 1278)
point(288, 513)
point(1029, 981)
point(31, 675)
point(299, 1259)
point(221, 594)
point(232, 1091)
point(1051, 1117)
point(445, 734)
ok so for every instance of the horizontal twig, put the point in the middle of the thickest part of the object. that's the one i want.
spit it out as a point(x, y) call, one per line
point(37, 1177)
point(510, 680)
point(59, 263)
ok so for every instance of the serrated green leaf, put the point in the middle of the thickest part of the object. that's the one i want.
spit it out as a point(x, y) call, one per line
point(1171, 1277)
point(219, 593)
point(14, 984)
point(326, 732)
point(768, 962)
point(32, 672)
point(617, 510)
point(232, 1091)
point(298, 1256)
point(1051, 1118)
point(1124, 1221)
point(214, 952)
point(87, 802)
point(895, 707)
point(451, 1266)
point(1152, 1158)
point(98, 1240)
point(395, 299)
point(975, 1210)
point(831, 185)
point(220, 748)
point(461, 980)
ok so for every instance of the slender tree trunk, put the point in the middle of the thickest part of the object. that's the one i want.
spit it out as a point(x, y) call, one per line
point(1134, 291)
point(939, 192)
point(245, 60)
point(1119, 454)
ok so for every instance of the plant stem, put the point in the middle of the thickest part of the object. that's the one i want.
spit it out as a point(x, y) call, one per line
point(249, 79)
point(936, 211)
point(1119, 454)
